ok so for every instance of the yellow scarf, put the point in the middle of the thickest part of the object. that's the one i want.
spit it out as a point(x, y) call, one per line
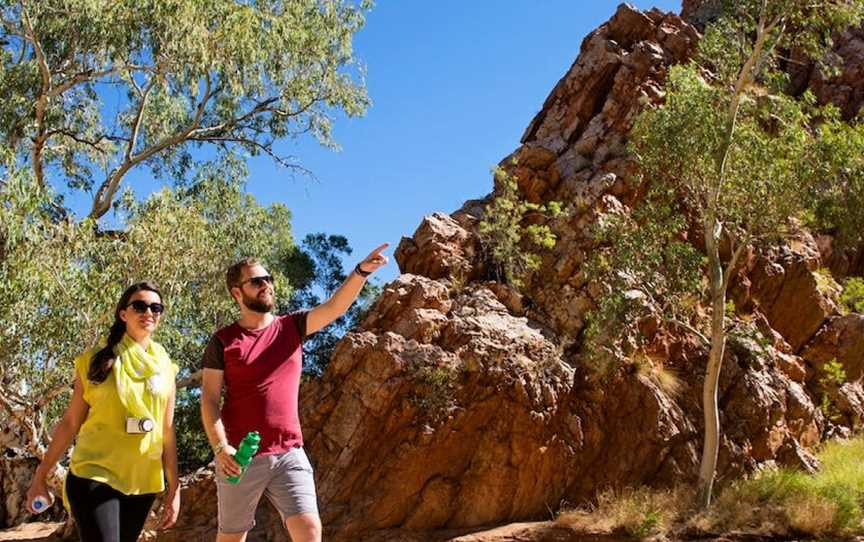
point(144, 379)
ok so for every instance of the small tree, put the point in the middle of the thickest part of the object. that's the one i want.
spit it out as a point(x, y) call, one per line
point(90, 89)
point(508, 241)
point(729, 158)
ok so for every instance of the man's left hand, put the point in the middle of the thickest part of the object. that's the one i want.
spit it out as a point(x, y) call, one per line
point(374, 260)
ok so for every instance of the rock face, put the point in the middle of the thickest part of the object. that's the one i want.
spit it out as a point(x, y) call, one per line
point(462, 402)
point(445, 403)
point(845, 90)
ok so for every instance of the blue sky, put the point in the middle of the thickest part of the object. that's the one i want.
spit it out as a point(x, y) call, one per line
point(454, 83)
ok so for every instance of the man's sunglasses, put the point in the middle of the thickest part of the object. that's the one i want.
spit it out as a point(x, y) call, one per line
point(141, 307)
point(258, 281)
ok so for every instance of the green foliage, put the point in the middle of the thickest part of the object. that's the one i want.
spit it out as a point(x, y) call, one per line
point(839, 190)
point(767, 171)
point(825, 283)
point(800, 25)
point(727, 155)
point(237, 76)
point(59, 281)
point(645, 265)
point(833, 376)
point(193, 449)
point(838, 489)
point(509, 242)
point(434, 390)
point(853, 294)
point(649, 525)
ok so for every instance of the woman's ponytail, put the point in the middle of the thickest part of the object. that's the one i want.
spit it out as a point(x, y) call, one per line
point(103, 360)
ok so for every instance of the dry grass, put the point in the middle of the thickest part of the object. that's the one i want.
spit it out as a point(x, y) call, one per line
point(828, 503)
point(779, 502)
point(635, 512)
point(667, 379)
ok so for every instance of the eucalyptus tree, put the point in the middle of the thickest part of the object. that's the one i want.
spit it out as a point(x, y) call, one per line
point(728, 158)
point(59, 281)
point(91, 89)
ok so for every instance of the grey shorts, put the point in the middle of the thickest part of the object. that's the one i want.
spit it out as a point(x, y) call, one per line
point(286, 479)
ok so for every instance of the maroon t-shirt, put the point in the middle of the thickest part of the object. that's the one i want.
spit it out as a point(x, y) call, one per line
point(262, 380)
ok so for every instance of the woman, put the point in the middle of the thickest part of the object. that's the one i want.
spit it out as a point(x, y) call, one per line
point(122, 411)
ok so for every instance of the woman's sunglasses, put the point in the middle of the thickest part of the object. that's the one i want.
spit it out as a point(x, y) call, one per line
point(141, 307)
point(258, 281)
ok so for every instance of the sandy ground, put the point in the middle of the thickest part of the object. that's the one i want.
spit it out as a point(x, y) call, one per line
point(30, 531)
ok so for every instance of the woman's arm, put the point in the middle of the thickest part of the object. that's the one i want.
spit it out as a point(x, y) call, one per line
point(62, 437)
point(171, 504)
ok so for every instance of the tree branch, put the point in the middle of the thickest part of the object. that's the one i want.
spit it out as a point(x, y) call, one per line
point(691, 329)
point(267, 149)
point(730, 269)
point(72, 135)
point(105, 194)
point(139, 115)
point(49, 395)
point(26, 422)
point(744, 77)
point(260, 107)
point(79, 77)
point(41, 101)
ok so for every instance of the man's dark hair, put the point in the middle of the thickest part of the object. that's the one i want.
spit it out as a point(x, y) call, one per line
point(235, 273)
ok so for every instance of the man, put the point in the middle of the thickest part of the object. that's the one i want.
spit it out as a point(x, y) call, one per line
point(258, 359)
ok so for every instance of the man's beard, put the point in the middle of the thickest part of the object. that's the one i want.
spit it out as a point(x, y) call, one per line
point(255, 304)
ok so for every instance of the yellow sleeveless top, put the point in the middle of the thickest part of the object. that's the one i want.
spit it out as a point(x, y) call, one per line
point(104, 451)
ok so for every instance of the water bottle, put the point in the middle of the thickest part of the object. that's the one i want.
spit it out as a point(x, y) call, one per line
point(40, 504)
point(245, 452)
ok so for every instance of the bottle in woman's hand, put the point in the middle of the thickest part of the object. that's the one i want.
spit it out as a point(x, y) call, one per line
point(39, 498)
point(40, 504)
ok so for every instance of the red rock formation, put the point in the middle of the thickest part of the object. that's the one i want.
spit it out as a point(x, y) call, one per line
point(461, 403)
point(846, 89)
point(841, 340)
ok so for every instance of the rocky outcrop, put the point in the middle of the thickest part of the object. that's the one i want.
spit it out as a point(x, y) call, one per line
point(845, 89)
point(446, 366)
point(441, 247)
point(445, 403)
point(789, 288)
point(15, 474)
point(462, 402)
point(840, 340)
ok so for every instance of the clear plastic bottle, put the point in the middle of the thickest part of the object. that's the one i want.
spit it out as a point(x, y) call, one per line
point(40, 504)
point(245, 453)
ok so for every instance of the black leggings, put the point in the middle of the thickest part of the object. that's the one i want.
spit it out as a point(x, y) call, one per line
point(103, 514)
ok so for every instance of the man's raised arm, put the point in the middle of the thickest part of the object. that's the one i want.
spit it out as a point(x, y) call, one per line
point(347, 293)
